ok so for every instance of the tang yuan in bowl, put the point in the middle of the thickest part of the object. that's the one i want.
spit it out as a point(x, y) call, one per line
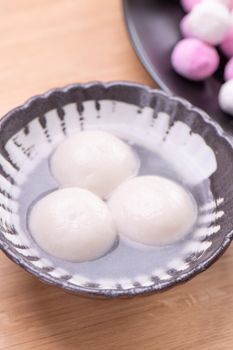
point(170, 138)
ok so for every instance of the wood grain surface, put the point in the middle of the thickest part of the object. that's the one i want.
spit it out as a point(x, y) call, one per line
point(48, 43)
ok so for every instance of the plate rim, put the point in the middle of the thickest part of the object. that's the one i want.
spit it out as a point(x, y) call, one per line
point(138, 48)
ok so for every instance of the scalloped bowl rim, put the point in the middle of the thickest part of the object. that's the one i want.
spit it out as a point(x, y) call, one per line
point(109, 293)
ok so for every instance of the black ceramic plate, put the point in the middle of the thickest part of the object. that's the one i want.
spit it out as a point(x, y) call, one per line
point(154, 29)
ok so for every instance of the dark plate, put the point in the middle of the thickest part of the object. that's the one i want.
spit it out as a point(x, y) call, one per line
point(153, 26)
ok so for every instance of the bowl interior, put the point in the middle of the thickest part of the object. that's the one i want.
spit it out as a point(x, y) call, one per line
point(172, 139)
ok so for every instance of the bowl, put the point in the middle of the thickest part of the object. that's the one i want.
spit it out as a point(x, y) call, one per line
point(172, 138)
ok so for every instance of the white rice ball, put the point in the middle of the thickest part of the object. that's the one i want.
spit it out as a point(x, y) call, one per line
point(227, 3)
point(152, 210)
point(226, 97)
point(209, 21)
point(95, 160)
point(72, 224)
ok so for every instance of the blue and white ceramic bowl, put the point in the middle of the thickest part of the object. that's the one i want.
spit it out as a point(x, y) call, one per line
point(172, 138)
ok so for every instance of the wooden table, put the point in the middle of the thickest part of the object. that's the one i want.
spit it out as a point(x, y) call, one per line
point(48, 43)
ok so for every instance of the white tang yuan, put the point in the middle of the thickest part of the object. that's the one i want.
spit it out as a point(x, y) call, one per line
point(152, 210)
point(209, 21)
point(228, 3)
point(226, 97)
point(188, 5)
point(95, 160)
point(72, 224)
